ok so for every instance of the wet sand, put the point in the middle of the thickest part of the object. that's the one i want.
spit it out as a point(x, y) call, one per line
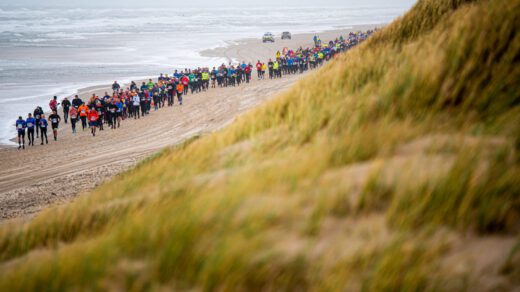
point(39, 176)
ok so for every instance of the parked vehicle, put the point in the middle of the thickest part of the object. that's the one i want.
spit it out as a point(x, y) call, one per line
point(268, 37)
point(286, 35)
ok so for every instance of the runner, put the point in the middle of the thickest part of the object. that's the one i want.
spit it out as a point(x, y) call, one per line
point(38, 112)
point(270, 65)
point(43, 129)
point(53, 104)
point(213, 77)
point(31, 122)
point(65, 104)
point(259, 69)
point(185, 80)
point(73, 112)
point(142, 103)
point(100, 108)
point(205, 81)
point(180, 91)
point(119, 111)
point(83, 113)
point(150, 84)
point(20, 126)
point(116, 87)
point(55, 123)
point(76, 102)
point(264, 68)
point(247, 72)
point(136, 101)
point(170, 92)
point(276, 69)
point(93, 118)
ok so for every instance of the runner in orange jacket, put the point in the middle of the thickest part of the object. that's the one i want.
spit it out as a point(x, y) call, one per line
point(83, 113)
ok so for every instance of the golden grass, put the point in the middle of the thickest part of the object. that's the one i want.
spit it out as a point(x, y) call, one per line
point(360, 177)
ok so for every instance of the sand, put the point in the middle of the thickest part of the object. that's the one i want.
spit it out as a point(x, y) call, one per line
point(39, 176)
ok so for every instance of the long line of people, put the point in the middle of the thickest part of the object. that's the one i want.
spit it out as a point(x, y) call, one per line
point(137, 101)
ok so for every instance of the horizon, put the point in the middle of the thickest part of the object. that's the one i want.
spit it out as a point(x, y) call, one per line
point(205, 3)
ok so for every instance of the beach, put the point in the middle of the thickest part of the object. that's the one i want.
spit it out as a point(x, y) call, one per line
point(55, 173)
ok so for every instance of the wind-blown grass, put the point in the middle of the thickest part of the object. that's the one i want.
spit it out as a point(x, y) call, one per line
point(369, 174)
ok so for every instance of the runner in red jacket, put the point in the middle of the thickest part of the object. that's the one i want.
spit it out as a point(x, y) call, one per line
point(93, 118)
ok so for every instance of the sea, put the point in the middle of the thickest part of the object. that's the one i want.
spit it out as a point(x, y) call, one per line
point(46, 52)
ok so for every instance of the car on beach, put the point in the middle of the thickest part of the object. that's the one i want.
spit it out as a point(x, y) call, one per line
point(268, 37)
point(286, 35)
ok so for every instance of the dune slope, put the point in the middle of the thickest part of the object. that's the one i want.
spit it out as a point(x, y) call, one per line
point(395, 167)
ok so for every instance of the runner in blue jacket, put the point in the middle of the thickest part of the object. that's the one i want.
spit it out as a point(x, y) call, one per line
point(20, 127)
point(31, 123)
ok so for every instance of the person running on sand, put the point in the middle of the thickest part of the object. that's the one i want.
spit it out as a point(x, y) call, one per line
point(55, 124)
point(270, 65)
point(53, 104)
point(31, 123)
point(43, 129)
point(119, 111)
point(73, 113)
point(20, 127)
point(100, 108)
point(247, 72)
point(112, 109)
point(180, 91)
point(205, 80)
point(76, 102)
point(116, 87)
point(38, 112)
point(276, 69)
point(213, 77)
point(170, 92)
point(142, 103)
point(93, 118)
point(136, 101)
point(83, 113)
point(156, 101)
point(259, 69)
point(185, 80)
point(65, 104)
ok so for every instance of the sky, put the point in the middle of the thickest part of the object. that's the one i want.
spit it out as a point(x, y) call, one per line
point(273, 4)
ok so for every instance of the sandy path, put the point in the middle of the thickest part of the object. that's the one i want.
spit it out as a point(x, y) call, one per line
point(42, 175)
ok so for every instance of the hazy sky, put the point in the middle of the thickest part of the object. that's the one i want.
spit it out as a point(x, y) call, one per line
point(193, 3)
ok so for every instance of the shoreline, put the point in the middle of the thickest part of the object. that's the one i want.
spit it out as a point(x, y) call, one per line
point(39, 176)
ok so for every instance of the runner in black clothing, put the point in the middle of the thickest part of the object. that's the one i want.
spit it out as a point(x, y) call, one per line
point(116, 87)
point(77, 102)
point(55, 123)
point(112, 109)
point(38, 113)
point(270, 65)
point(65, 103)
point(100, 108)
point(142, 100)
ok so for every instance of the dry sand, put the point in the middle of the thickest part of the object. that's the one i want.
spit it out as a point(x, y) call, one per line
point(55, 173)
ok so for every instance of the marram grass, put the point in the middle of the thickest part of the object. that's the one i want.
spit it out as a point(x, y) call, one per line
point(395, 167)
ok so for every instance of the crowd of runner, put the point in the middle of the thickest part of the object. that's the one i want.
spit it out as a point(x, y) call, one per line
point(138, 101)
